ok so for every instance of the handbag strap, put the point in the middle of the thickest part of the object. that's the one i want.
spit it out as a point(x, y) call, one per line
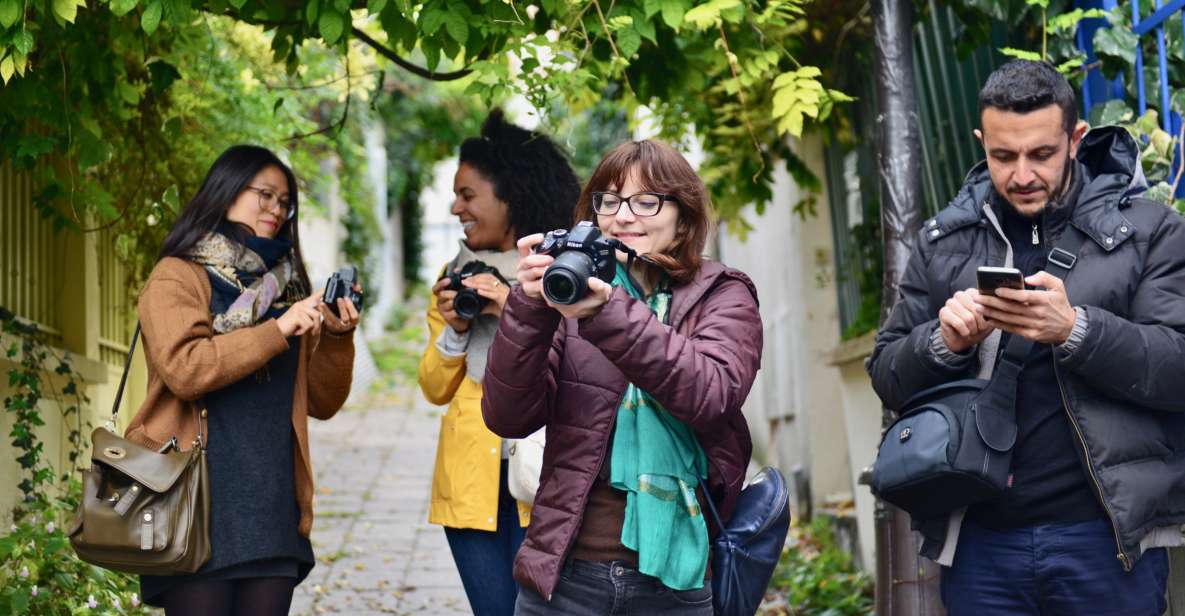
point(712, 506)
point(123, 381)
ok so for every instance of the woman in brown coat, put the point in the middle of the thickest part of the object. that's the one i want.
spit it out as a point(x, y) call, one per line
point(640, 385)
point(235, 338)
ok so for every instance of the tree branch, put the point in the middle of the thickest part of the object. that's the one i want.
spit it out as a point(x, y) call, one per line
point(404, 64)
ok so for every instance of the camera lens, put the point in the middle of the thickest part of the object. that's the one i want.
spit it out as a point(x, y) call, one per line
point(566, 280)
point(468, 304)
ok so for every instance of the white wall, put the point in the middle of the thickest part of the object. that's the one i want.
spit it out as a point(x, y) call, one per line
point(795, 409)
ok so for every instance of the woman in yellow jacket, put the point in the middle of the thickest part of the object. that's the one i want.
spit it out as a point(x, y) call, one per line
point(510, 183)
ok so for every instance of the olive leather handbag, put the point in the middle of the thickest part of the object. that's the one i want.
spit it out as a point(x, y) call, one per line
point(143, 511)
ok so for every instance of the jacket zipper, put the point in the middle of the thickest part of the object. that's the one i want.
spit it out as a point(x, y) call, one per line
point(1121, 554)
point(1124, 559)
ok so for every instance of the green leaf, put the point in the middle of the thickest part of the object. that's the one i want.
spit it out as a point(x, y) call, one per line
point(1117, 41)
point(23, 42)
point(279, 103)
point(170, 197)
point(119, 8)
point(431, 19)
point(374, 7)
point(652, 7)
point(431, 51)
point(6, 69)
point(19, 601)
point(456, 26)
point(645, 27)
point(628, 42)
point(67, 10)
point(128, 92)
point(92, 151)
point(238, 4)
point(150, 19)
point(1113, 111)
point(707, 15)
point(10, 12)
point(312, 11)
point(672, 12)
point(1021, 53)
point(162, 75)
point(331, 25)
point(398, 28)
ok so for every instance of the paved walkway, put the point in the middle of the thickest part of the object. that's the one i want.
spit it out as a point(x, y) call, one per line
point(376, 554)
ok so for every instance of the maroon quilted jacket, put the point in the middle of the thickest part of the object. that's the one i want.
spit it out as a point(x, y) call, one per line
point(571, 375)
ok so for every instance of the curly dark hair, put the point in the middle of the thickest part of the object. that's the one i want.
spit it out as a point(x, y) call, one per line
point(529, 171)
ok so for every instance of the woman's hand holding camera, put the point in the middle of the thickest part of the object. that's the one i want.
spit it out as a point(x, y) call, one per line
point(301, 317)
point(308, 314)
point(489, 287)
point(349, 314)
point(444, 303)
point(531, 268)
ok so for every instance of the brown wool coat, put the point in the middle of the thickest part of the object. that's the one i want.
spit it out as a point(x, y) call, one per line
point(186, 361)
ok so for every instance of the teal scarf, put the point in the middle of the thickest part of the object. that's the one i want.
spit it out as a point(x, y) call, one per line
point(657, 462)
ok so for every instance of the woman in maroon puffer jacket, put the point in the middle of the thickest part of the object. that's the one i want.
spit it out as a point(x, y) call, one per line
point(677, 340)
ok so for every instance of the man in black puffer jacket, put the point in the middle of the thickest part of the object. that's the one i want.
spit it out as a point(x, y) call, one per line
point(1098, 469)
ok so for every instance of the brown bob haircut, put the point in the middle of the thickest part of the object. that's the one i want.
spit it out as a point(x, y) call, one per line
point(661, 169)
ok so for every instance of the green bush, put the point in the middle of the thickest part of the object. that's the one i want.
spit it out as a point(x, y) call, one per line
point(40, 574)
point(815, 577)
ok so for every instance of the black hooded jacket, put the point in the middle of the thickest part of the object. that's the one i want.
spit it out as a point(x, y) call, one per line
point(1123, 383)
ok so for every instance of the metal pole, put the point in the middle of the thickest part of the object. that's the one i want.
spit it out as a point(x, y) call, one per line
point(906, 584)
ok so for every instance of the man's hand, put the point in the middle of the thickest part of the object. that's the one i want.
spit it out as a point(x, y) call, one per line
point(1042, 315)
point(962, 321)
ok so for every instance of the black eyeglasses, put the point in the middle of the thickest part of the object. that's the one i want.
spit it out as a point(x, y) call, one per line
point(270, 201)
point(641, 204)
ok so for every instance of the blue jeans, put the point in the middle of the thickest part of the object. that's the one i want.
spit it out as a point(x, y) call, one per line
point(1051, 569)
point(485, 559)
point(613, 588)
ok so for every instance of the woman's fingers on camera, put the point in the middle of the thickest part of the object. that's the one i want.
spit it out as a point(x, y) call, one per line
point(528, 243)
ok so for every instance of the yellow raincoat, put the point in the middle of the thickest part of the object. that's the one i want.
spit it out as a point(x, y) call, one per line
point(468, 455)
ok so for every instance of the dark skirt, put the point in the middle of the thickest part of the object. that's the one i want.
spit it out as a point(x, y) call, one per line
point(254, 516)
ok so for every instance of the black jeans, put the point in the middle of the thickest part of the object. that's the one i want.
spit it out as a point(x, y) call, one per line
point(613, 588)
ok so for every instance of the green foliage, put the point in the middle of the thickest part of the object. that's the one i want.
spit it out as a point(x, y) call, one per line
point(30, 380)
point(814, 577)
point(1115, 47)
point(710, 68)
point(39, 572)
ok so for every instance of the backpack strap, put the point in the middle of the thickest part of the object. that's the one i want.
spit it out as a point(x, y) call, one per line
point(995, 415)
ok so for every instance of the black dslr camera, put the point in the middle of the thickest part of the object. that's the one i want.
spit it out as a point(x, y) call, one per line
point(341, 284)
point(579, 255)
point(468, 303)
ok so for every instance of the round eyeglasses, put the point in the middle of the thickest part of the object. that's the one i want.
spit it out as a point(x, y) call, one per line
point(270, 201)
point(641, 204)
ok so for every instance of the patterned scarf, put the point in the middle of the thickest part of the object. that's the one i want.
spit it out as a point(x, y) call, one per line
point(657, 462)
point(232, 262)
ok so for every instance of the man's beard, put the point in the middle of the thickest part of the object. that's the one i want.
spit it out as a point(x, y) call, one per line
point(1053, 198)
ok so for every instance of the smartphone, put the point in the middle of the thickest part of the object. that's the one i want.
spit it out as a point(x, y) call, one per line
point(988, 279)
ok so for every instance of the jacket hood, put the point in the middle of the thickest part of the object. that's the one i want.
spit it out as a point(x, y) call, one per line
point(1110, 159)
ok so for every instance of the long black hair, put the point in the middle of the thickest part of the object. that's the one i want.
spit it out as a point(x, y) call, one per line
point(529, 171)
point(227, 179)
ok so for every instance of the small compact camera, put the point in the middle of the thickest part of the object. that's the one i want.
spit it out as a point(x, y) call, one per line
point(468, 303)
point(341, 284)
point(580, 254)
